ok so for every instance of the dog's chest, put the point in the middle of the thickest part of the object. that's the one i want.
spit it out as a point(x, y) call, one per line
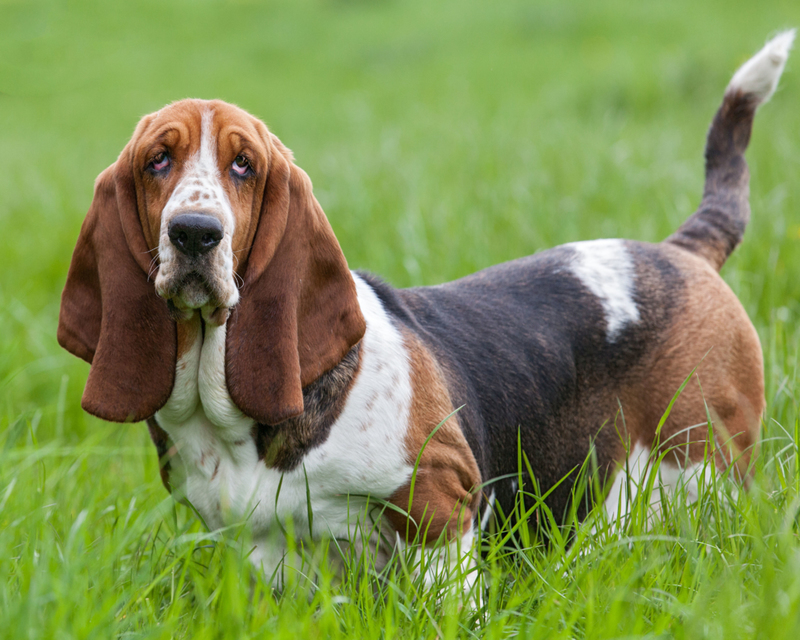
point(217, 466)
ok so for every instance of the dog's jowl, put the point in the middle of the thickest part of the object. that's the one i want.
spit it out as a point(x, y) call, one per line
point(212, 299)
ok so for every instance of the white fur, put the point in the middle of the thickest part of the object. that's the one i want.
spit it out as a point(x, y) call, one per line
point(217, 467)
point(634, 477)
point(440, 563)
point(200, 190)
point(630, 479)
point(760, 74)
point(488, 511)
point(605, 268)
point(218, 406)
point(185, 393)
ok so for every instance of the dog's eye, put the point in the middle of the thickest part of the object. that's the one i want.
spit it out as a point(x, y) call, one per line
point(160, 161)
point(241, 165)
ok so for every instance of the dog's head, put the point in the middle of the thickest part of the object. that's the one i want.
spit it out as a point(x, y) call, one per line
point(205, 212)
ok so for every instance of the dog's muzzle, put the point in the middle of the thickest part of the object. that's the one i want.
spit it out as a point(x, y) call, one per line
point(193, 275)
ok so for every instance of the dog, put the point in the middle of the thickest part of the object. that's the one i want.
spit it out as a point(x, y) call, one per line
point(211, 298)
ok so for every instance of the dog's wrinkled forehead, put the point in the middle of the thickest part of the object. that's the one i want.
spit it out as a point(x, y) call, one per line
point(185, 154)
point(200, 186)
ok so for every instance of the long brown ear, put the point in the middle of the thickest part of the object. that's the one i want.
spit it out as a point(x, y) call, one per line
point(110, 314)
point(299, 314)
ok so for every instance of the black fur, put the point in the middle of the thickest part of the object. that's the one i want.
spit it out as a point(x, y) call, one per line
point(718, 225)
point(284, 445)
point(162, 442)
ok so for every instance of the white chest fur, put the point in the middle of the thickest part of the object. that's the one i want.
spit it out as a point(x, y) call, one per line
point(217, 467)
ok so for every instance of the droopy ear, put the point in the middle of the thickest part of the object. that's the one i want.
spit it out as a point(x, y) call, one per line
point(299, 314)
point(110, 314)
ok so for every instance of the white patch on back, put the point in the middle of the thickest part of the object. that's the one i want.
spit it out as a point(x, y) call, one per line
point(605, 268)
point(217, 466)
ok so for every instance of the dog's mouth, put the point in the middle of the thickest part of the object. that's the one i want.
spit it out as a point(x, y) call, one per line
point(193, 291)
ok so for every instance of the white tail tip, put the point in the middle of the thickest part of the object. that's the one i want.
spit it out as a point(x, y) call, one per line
point(760, 74)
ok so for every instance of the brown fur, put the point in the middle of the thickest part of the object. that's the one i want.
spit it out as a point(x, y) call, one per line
point(299, 313)
point(711, 331)
point(110, 313)
point(189, 331)
point(447, 480)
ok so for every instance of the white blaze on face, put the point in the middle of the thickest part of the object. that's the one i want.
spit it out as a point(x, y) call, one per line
point(200, 190)
point(606, 269)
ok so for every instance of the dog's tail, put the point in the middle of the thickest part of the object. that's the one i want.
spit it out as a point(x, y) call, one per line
point(717, 227)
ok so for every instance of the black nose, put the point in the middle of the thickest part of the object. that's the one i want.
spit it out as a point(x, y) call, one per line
point(194, 233)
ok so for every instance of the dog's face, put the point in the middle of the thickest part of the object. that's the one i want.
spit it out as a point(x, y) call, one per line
point(200, 172)
point(204, 197)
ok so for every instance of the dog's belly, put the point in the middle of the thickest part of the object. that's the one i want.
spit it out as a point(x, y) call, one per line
point(216, 465)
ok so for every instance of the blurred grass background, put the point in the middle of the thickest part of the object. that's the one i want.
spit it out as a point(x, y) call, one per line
point(441, 138)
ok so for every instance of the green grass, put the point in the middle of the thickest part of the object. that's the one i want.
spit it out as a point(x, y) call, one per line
point(441, 138)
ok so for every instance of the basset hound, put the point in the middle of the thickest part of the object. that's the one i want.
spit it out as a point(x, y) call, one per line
point(212, 299)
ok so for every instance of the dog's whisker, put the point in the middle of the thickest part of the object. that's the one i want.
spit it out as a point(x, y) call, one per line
point(239, 280)
point(152, 267)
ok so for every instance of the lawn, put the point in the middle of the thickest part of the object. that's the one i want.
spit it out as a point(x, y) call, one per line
point(442, 137)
